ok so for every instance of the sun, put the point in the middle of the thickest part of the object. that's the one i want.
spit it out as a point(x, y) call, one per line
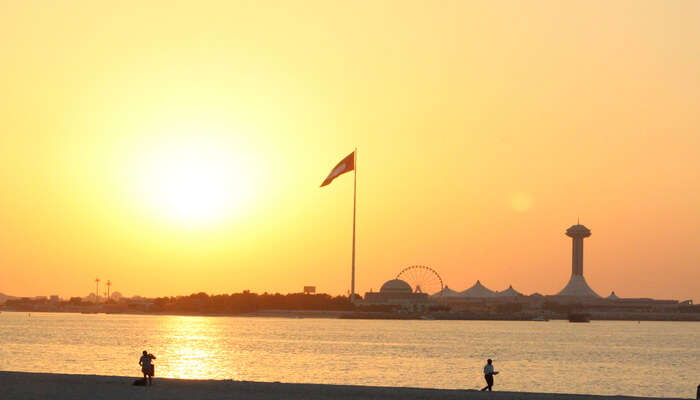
point(194, 182)
point(521, 201)
point(193, 189)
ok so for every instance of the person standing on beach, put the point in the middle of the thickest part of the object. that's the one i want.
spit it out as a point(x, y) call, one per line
point(147, 366)
point(488, 375)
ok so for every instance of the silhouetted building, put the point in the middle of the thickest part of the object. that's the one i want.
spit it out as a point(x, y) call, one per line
point(510, 292)
point(479, 291)
point(398, 293)
point(577, 286)
point(446, 292)
point(613, 296)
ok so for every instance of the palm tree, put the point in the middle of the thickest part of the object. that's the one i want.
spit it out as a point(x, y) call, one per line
point(109, 283)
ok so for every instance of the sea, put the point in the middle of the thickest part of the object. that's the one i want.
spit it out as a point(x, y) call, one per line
point(659, 359)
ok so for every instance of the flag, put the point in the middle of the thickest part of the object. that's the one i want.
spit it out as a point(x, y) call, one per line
point(347, 164)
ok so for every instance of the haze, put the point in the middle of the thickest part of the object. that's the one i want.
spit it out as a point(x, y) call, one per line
point(178, 147)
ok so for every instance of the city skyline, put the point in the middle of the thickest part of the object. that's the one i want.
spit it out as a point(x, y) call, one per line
point(184, 153)
point(576, 287)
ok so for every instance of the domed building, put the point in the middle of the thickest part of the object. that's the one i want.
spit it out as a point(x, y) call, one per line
point(395, 286)
point(398, 293)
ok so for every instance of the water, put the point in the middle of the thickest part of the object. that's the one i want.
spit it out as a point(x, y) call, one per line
point(603, 357)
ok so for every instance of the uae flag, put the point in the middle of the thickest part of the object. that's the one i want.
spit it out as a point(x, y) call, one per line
point(347, 164)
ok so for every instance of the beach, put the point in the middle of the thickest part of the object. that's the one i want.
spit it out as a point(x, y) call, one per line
point(27, 386)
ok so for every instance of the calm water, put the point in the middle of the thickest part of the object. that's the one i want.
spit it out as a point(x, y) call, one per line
point(647, 359)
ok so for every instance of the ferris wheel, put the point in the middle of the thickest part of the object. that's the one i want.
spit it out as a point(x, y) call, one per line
point(422, 279)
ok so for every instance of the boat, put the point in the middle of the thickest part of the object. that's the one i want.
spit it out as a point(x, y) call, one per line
point(579, 317)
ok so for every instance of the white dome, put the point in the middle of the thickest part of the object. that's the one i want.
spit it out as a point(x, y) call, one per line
point(396, 286)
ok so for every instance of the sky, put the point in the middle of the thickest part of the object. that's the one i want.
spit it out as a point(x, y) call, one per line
point(178, 146)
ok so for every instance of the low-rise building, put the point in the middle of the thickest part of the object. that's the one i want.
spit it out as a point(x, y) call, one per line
point(398, 293)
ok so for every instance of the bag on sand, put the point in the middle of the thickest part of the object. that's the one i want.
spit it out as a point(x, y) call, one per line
point(140, 382)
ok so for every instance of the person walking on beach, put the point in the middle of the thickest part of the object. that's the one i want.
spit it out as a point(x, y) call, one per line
point(147, 367)
point(488, 375)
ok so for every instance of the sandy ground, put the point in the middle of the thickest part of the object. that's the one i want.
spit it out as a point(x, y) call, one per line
point(26, 386)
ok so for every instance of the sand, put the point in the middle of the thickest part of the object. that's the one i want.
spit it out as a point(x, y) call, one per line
point(27, 386)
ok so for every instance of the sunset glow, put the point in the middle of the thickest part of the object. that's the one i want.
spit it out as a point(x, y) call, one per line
point(194, 182)
point(180, 148)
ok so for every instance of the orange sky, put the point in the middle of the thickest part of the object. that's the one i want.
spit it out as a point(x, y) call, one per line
point(178, 147)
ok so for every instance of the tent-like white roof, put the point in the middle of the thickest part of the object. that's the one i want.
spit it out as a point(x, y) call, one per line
point(478, 290)
point(446, 292)
point(613, 296)
point(510, 292)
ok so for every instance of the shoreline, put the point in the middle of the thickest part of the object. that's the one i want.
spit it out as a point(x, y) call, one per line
point(300, 314)
point(31, 385)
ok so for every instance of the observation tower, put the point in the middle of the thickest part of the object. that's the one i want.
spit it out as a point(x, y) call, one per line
point(577, 286)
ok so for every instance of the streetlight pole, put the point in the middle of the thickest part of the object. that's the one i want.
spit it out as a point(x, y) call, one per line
point(97, 290)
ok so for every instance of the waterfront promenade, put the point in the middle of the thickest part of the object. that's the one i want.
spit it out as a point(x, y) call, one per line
point(28, 386)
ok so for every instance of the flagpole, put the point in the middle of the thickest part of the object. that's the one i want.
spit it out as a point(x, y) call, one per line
point(354, 219)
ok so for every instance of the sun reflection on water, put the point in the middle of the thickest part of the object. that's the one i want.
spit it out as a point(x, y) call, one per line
point(192, 348)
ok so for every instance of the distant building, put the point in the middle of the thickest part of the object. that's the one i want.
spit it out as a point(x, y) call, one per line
point(510, 292)
point(478, 291)
point(309, 289)
point(577, 286)
point(398, 293)
point(613, 296)
point(446, 292)
point(482, 301)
